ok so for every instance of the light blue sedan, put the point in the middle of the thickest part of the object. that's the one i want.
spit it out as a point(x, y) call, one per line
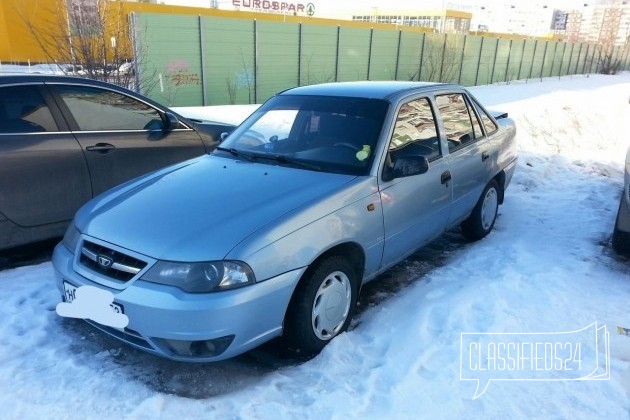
point(274, 233)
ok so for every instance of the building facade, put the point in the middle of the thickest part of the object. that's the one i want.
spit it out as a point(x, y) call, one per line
point(443, 21)
point(606, 23)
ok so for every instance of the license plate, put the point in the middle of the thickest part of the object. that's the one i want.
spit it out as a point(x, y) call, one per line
point(69, 294)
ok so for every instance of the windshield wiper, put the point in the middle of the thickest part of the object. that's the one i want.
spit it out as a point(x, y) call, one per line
point(252, 157)
point(234, 152)
point(290, 161)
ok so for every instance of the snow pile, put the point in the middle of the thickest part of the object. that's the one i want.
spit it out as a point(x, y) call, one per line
point(547, 267)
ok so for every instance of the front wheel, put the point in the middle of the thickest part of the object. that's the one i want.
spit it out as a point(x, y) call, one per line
point(321, 307)
point(481, 220)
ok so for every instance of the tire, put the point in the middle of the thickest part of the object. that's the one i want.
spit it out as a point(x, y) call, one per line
point(620, 238)
point(321, 307)
point(481, 220)
point(621, 242)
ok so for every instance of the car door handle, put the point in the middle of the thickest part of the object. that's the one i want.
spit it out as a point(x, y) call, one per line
point(446, 176)
point(101, 147)
point(485, 156)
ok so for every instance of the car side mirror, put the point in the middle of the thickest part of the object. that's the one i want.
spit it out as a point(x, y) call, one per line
point(172, 122)
point(224, 135)
point(407, 166)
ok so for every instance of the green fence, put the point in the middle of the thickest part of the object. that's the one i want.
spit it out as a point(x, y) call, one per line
point(202, 60)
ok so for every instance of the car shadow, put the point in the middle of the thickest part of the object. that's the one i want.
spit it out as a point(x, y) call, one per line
point(36, 253)
point(204, 380)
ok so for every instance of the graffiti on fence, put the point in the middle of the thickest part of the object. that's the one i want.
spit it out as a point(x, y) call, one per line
point(178, 71)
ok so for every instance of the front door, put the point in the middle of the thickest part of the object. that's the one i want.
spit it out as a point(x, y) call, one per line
point(415, 208)
point(121, 136)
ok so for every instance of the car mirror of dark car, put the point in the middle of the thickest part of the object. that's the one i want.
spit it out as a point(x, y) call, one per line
point(172, 122)
point(404, 166)
point(224, 135)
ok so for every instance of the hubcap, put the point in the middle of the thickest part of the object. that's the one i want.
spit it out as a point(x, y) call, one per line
point(331, 305)
point(489, 208)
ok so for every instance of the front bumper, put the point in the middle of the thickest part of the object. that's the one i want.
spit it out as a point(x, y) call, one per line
point(158, 315)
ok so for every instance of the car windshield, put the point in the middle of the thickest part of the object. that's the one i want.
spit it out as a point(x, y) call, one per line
point(331, 134)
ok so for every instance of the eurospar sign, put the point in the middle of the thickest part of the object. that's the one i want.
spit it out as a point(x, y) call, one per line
point(275, 6)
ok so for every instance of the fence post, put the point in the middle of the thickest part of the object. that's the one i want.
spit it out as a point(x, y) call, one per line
point(461, 61)
point(555, 51)
point(590, 68)
point(533, 58)
point(599, 60)
point(577, 63)
point(398, 55)
point(588, 47)
point(424, 36)
point(562, 60)
point(494, 61)
point(570, 58)
point(442, 61)
point(479, 60)
point(136, 58)
point(507, 66)
point(520, 65)
point(542, 67)
point(337, 54)
point(370, 53)
point(202, 51)
point(255, 61)
point(299, 63)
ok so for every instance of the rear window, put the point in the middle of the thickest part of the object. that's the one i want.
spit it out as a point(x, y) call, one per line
point(24, 110)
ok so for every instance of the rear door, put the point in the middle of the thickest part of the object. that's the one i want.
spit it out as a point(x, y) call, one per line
point(468, 152)
point(43, 175)
point(122, 137)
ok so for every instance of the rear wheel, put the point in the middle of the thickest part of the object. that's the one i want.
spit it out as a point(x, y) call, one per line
point(321, 307)
point(481, 220)
point(621, 239)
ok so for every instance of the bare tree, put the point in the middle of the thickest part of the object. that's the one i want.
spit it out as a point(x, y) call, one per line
point(310, 76)
point(232, 88)
point(89, 38)
point(441, 61)
point(609, 61)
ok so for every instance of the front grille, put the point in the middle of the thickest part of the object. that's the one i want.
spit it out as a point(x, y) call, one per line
point(110, 263)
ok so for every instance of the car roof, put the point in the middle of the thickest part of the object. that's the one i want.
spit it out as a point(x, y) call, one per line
point(8, 78)
point(371, 90)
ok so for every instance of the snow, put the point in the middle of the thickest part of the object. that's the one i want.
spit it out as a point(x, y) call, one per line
point(547, 267)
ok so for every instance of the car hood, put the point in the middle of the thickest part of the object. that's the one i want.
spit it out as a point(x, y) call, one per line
point(200, 210)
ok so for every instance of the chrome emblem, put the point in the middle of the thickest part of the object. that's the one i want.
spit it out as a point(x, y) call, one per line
point(104, 261)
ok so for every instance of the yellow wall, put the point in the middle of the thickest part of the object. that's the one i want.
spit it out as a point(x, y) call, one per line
point(18, 45)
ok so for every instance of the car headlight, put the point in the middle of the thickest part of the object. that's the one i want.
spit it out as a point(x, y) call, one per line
point(201, 277)
point(71, 238)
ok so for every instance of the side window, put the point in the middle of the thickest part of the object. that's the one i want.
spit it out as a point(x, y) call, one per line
point(415, 132)
point(23, 110)
point(96, 109)
point(487, 122)
point(458, 119)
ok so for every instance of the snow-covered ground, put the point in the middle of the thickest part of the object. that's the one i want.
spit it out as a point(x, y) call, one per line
point(547, 267)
